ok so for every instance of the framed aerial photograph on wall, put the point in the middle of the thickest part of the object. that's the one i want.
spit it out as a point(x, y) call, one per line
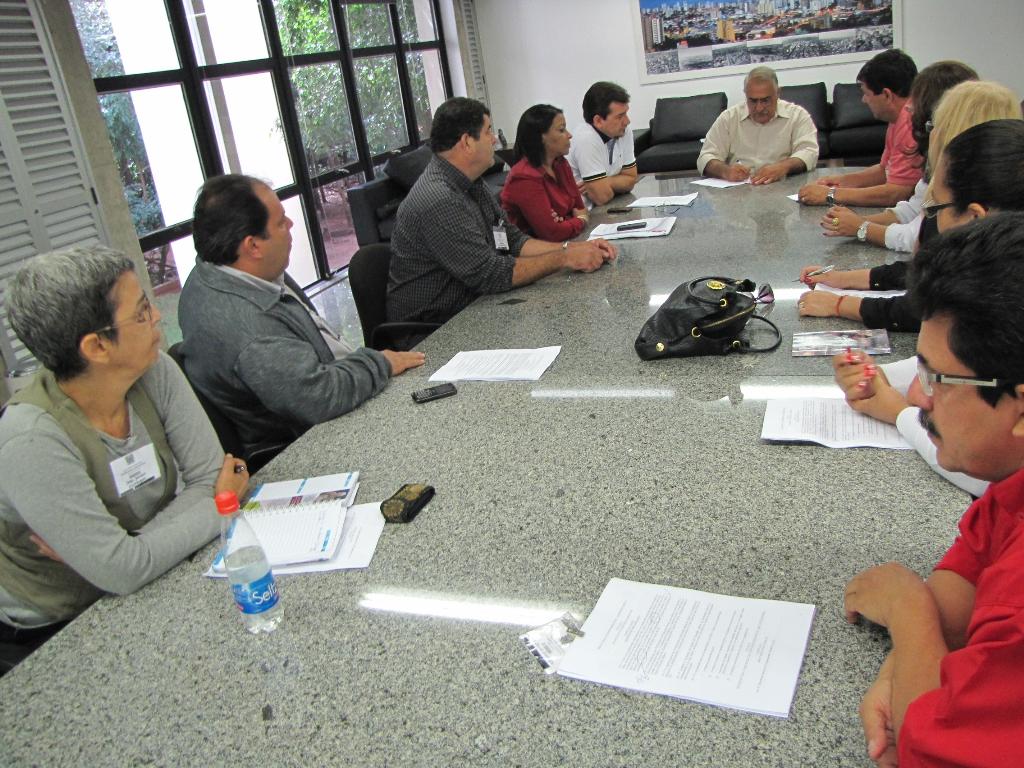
point(687, 39)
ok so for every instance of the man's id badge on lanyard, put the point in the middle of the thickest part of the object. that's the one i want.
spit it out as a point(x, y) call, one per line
point(500, 237)
point(135, 469)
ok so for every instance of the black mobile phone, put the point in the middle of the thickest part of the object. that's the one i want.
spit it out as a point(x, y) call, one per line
point(434, 393)
point(631, 225)
point(620, 210)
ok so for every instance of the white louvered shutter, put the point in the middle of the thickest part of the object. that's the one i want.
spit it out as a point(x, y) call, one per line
point(46, 195)
point(472, 53)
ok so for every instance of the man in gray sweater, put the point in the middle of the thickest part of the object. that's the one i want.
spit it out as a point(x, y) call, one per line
point(253, 343)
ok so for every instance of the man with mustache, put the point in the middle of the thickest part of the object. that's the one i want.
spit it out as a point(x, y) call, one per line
point(949, 691)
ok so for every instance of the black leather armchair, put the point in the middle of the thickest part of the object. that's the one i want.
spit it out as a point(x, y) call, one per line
point(856, 136)
point(374, 204)
point(813, 98)
point(673, 141)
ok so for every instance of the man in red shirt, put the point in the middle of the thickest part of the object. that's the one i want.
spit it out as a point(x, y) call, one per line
point(949, 693)
point(885, 83)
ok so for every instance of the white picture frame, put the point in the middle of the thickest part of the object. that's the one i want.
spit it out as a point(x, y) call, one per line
point(696, 62)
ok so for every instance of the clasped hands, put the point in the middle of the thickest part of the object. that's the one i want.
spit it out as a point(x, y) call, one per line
point(589, 255)
point(766, 174)
point(866, 387)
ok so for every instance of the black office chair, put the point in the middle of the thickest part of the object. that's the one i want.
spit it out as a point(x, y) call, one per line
point(230, 441)
point(368, 276)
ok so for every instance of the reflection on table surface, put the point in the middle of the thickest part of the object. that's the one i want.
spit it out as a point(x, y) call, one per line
point(608, 466)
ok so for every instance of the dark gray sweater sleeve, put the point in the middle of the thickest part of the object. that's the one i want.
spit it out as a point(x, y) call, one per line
point(287, 376)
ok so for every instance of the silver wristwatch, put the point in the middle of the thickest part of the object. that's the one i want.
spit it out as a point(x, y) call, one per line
point(862, 231)
point(830, 198)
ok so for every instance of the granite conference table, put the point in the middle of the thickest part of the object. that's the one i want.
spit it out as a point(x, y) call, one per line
point(606, 467)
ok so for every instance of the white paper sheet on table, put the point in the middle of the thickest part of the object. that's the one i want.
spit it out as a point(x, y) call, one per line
point(737, 652)
point(719, 183)
point(359, 536)
point(858, 293)
point(795, 197)
point(832, 423)
point(656, 227)
point(656, 202)
point(498, 365)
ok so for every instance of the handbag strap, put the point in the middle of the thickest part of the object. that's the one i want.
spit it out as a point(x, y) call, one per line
point(774, 327)
point(736, 286)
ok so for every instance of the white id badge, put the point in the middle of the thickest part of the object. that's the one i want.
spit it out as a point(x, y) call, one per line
point(500, 238)
point(135, 469)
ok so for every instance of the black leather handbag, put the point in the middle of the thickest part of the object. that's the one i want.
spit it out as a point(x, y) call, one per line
point(705, 316)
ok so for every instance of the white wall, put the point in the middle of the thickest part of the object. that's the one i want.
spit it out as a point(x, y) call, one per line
point(552, 50)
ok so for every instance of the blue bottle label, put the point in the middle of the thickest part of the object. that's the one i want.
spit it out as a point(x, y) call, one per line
point(256, 596)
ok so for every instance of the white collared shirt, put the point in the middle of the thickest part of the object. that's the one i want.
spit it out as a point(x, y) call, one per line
point(736, 138)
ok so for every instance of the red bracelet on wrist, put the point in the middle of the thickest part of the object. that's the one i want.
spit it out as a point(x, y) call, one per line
point(838, 304)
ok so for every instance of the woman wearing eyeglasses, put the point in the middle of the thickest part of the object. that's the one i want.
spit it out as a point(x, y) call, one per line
point(980, 174)
point(965, 105)
point(108, 465)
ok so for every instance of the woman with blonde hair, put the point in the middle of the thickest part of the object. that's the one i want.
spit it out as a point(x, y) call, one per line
point(964, 106)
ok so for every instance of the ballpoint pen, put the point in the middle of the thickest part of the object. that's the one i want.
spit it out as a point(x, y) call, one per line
point(815, 273)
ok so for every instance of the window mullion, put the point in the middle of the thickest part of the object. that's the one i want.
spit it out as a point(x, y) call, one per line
point(293, 136)
point(442, 49)
point(348, 73)
point(192, 86)
point(405, 88)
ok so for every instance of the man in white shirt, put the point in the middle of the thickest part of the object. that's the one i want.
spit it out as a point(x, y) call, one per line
point(764, 139)
point(601, 154)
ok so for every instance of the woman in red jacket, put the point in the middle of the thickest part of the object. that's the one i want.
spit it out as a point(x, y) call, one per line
point(540, 195)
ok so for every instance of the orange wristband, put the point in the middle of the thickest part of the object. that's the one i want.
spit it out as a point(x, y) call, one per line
point(838, 304)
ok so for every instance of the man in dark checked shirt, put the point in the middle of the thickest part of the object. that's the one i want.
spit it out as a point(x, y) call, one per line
point(452, 243)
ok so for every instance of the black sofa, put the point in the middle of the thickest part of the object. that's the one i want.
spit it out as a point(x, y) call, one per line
point(673, 141)
point(375, 203)
point(856, 135)
point(847, 130)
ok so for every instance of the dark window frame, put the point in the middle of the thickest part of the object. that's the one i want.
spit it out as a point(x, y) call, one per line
point(191, 76)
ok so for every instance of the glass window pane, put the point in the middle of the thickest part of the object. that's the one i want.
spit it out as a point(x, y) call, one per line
point(335, 220)
point(124, 37)
point(168, 267)
point(301, 265)
point(248, 126)
point(427, 81)
point(305, 26)
point(369, 24)
point(416, 17)
point(226, 30)
point(380, 101)
point(155, 153)
point(323, 117)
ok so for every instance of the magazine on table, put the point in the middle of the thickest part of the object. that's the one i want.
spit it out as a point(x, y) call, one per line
point(874, 341)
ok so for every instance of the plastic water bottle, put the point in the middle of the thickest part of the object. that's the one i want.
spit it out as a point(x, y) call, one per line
point(252, 581)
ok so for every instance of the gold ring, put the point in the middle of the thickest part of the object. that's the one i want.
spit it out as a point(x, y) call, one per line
point(835, 222)
point(800, 305)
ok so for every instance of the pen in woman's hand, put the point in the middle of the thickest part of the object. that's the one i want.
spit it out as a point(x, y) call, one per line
point(815, 273)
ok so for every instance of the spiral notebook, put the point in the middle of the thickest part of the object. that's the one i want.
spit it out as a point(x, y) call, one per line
point(299, 521)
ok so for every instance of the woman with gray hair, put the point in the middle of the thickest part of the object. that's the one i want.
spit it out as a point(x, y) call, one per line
point(108, 465)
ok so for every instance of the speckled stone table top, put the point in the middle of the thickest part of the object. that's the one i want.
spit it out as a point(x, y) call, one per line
point(606, 467)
